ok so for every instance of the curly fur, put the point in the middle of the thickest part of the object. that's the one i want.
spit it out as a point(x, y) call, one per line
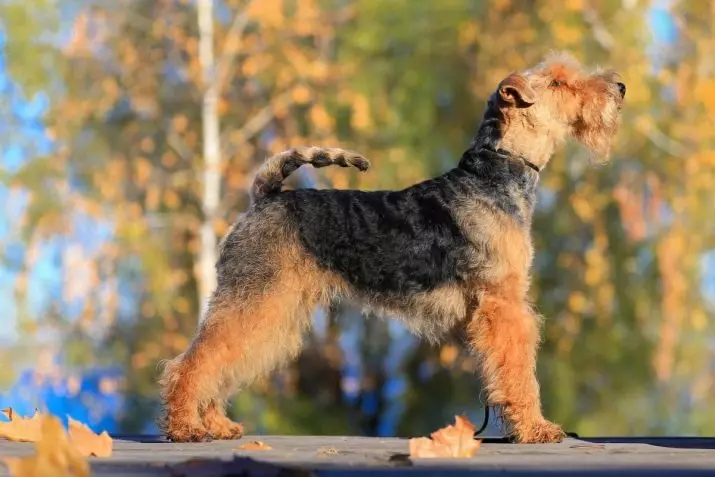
point(277, 168)
point(454, 251)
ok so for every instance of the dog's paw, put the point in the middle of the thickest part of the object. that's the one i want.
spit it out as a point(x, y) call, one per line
point(225, 429)
point(541, 433)
point(188, 434)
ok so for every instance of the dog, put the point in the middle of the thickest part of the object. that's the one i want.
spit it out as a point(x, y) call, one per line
point(453, 252)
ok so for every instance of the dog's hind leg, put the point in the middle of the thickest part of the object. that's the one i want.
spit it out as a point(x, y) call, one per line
point(217, 423)
point(237, 343)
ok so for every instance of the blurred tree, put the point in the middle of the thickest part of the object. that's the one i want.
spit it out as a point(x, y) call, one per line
point(211, 184)
point(621, 273)
point(24, 149)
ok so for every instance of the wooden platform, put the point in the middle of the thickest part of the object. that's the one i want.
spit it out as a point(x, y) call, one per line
point(358, 456)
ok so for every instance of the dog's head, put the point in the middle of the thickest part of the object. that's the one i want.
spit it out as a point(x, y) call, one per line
point(557, 98)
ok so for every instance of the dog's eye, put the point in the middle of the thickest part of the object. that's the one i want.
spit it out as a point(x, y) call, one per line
point(556, 83)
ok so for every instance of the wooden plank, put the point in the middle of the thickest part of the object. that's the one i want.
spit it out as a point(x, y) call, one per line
point(347, 456)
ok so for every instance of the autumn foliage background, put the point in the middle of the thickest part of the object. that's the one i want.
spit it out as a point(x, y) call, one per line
point(104, 216)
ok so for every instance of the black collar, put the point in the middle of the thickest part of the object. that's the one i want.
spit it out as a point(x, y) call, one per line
point(477, 149)
point(526, 162)
point(530, 164)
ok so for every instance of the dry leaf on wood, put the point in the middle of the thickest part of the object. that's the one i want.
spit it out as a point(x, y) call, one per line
point(55, 455)
point(19, 428)
point(255, 445)
point(87, 442)
point(453, 441)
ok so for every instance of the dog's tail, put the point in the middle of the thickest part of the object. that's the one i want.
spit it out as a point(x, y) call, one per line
point(274, 171)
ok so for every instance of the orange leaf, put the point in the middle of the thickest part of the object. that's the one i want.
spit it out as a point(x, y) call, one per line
point(301, 94)
point(87, 442)
point(455, 441)
point(55, 455)
point(255, 445)
point(23, 429)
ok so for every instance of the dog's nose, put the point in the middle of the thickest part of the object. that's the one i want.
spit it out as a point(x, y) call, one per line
point(622, 89)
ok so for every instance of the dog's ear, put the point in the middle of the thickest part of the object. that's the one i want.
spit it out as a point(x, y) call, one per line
point(515, 90)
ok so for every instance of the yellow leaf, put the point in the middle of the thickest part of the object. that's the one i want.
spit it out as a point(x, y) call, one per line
point(361, 113)
point(147, 144)
point(180, 123)
point(255, 446)
point(583, 207)
point(221, 227)
point(21, 429)
point(705, 90)
point(565, 34)
point(55, 456)
point(321, 118)
point(171, 199)
point(301, 94)
point(182, 305)
point(448, 354)
point(307, 18)
point(468, 33)
point(268, 13)
point(142, 170)
point(151, 200)
point(168, 159)
point(500, 5)
point(455, 441)
point(577, 302)
point(699, 320)
point(87, 442)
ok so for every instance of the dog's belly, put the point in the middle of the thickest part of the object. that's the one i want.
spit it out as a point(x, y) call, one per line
point(430, 314)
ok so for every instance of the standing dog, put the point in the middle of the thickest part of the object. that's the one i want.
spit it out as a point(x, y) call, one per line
point(454, 251)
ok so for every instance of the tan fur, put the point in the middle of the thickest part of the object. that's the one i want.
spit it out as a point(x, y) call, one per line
point(217, 424)
point(430, 315)
point(505, 332)
point(509, 243)
point(579, 106)
point(540, 108)
point(276, 168)
point(239, 341)
point(503, 329)
point(256, 319)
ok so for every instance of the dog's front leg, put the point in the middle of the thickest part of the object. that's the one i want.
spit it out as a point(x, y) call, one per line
point(505, 332)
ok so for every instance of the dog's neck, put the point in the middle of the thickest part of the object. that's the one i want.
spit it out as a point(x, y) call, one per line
point(532, 149)
point(498, 150)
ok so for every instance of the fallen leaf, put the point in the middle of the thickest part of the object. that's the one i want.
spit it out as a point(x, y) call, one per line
point(19, 428)
point(87, 442)
point(255, 445)
point(453, 441)
point(55, 455)
point(328, 451)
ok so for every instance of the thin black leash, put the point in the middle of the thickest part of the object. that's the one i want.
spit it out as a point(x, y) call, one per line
point(485, 423)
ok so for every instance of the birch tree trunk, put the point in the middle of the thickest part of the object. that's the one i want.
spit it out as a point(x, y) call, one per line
point(211, 155)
